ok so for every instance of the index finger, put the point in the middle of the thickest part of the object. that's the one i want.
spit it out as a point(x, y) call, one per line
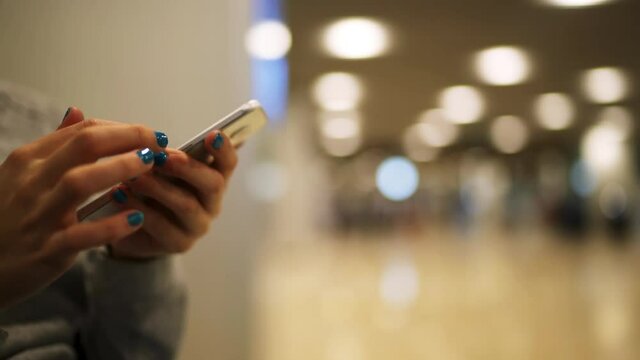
point(97, 142)
point(51, 142)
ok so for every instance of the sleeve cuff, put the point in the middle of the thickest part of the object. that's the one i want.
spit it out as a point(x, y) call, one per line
point(124, 279)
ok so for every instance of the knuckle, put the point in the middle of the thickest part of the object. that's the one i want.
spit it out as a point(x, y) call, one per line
point(187, 206)
point(89, 123)
point(179, 158)
point(73, 183)
point(131, 168)
point(218, 184)
point(19, 156)
point(182, 246)
point(142, 133)
point(86, 142)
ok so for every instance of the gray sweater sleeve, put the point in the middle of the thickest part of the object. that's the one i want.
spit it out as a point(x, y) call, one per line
point(136, 309)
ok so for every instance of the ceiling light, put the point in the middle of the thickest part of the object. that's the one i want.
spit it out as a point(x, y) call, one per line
point(462, 104)
point(338, 91)
point(576, 3)
point(554, 111)
point(605, 85)
point(356, 38)
point(268, 40)
point(503, 65)
point(509, 134)
point(397, 178)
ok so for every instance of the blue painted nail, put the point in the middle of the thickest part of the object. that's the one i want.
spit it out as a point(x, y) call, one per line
point(162, 139)
point(218, 141)
point(146, 155)
point(135, 219)
point(160, 158)
point(119, 196)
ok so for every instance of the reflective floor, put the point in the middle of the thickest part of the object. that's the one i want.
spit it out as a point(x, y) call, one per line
point(434, 294)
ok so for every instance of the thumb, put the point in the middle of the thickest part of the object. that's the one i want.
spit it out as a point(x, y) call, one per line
point(71, 117)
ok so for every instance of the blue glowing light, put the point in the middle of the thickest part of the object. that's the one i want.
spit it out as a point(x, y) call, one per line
point(397, 178)
point(270, 78)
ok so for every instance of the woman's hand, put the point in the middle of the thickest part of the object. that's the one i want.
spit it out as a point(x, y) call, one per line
point(179, 198)
point(42, 184)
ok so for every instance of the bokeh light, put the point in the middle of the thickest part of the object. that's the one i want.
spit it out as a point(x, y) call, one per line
point(613, 200)
point(605, 85)
point(268, 40)
point(341, 133)
point(338, 91)
point(356, 38)
point(603, 148)
point(415, 148)
point(509, 134)
point(400, 283)
point(576, 3)
point(554, 111)
point(617, 118)
point(462, 104)
point(267, 181)
point(435, 130)
point(397, 178)
point(340, 126)
point(582, 179)
point(502, 65)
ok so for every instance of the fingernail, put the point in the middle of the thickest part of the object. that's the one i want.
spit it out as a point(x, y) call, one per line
point(119, 196)
point(162, 139)
point(66, 113)
point(146, 155)
point(160, 158)
point(135, 219)
point(218, 141)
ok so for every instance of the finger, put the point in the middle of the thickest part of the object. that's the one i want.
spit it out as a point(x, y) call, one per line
point(76, 185)
point(87, 235)
point(98, 142)
point(71, 117)
point(225, 157)
point(208, 183)
point(184, 204)
point(158, 224)
point(138, 245)
point(48, 144)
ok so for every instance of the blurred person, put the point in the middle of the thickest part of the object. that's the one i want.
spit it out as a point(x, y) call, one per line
point(104, 289)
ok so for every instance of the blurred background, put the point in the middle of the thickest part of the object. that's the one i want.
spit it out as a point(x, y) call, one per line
point(445, 179)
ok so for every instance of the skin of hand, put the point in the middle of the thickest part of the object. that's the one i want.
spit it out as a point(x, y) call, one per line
point(179, 199)
point(41, 186)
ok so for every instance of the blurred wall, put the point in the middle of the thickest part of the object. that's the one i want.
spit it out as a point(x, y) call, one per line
point(176, 66)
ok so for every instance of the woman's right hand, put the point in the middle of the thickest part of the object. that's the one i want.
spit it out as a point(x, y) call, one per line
point(43, 183)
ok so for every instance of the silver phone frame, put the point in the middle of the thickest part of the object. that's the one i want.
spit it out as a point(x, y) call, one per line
point(93, 206)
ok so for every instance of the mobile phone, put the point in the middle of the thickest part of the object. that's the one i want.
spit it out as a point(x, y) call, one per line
point(238, 126)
